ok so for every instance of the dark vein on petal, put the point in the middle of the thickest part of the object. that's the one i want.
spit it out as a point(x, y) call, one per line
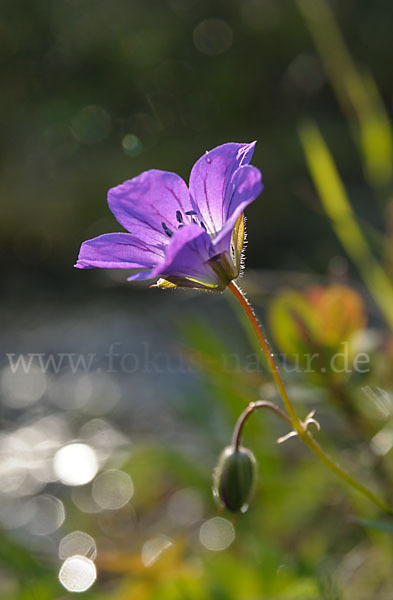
point(175, 196)
point(150, 225)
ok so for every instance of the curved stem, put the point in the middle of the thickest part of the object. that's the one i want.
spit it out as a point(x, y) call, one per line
point(295, 421)
point(237, 432)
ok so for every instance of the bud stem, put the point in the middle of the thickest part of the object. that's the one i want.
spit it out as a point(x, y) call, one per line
point(297, 424)
point(237, 432)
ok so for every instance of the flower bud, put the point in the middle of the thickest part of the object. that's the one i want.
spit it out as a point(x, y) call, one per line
point(234, 478)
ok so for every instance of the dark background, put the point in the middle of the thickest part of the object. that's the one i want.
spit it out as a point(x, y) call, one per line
point(80, 76)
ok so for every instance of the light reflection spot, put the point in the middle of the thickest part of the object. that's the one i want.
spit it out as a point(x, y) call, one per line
point(77, 574)
point(217, 534)
point(75, 464)
point(153, 549)
point(49, 514)
point(131, 144)
point(77, 543)
point(113, 489)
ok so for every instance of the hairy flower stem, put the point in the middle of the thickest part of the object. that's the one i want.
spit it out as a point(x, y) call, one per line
point(297, 424)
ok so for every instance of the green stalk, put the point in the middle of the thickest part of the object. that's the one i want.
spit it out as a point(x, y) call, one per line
point(337, 206)
point(297, 424)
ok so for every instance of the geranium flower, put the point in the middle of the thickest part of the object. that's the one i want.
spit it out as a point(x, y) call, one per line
point(186, 236)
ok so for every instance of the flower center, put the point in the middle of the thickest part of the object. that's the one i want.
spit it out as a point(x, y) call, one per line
point(181, 221)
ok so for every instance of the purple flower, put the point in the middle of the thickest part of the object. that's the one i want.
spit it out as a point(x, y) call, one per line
point(185, 236)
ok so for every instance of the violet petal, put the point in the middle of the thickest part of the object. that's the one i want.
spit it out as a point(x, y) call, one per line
point(246, 185)
point(210, 181)
point(147, 205)
point(187, 256)
point(118, 251)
